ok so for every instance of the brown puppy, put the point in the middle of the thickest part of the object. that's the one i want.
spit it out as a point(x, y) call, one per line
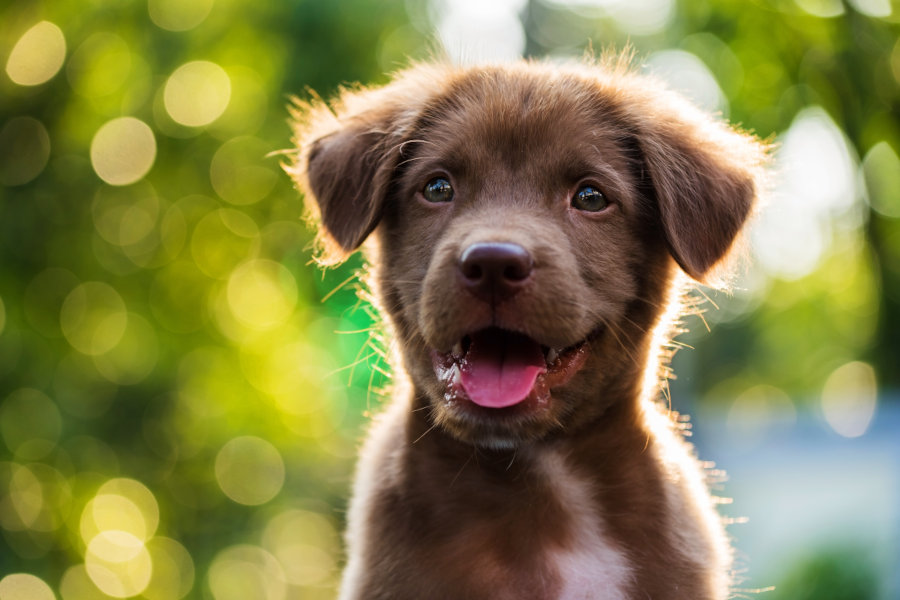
point(529, 223)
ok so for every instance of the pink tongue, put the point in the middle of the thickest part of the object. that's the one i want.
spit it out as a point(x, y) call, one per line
point(500, 368)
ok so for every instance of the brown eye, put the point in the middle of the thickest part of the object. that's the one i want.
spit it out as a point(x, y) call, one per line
point(438, 190)
point(590, 199)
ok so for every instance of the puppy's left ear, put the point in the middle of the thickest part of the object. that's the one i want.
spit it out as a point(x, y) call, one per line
point(706, 177)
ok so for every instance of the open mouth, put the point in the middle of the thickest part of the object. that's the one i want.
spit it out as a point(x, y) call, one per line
point(498, 368)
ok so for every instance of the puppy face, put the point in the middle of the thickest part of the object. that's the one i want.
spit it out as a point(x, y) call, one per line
point(529, 220)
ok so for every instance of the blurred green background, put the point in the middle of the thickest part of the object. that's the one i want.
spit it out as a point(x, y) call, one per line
point(182, 393)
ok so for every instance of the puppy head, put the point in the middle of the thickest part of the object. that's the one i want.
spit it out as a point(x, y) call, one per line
point(529, 220)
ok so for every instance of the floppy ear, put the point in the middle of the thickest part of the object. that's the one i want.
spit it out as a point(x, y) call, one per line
point(345, 161)
point(348, 174)
point(705, 176)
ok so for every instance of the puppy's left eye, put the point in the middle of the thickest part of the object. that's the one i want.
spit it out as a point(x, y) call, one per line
point(590, 199)
point(438, 190)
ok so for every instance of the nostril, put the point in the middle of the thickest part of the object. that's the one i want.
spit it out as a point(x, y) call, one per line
point(518, 271)
point(471, 270)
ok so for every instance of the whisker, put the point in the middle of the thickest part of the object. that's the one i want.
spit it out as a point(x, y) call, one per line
point(427, 431)
point(356, 361)
point(339, 286)
point(461, 469)
point(371, 329)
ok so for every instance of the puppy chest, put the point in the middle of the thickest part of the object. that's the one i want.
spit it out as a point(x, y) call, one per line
point(590, 564)
point(547, 540)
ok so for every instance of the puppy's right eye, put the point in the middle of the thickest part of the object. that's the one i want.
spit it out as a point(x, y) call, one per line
point(438, 190)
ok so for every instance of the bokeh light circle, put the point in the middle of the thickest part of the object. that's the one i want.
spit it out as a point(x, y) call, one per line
point(112, 512)
point(93, 318)
point(134, 357)
point(140, 495)
point(125, 216)
point(222, 240)
point(249, 470)
point(76, 584)
point(38, 55)
point(305, 543)
point(197, 93)
point(118, 563)
point(123, 151)
point(24, 150)
point(246, 573)
point(100, 65)
point(173, 570)
point(262, 293)
point(849, 398)
point(237, 171)
point(22, 586)
point(178, 15)
point(30, 423)
point(21, 497)
point(178, 297)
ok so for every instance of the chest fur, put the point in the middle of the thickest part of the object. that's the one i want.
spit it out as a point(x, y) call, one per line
point(542, 537)
point(589, 565)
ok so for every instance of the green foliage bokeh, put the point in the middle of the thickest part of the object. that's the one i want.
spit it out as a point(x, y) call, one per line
point(168, 367)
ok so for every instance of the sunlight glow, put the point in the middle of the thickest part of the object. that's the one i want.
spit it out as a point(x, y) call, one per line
point(636, 17)
point(688, 74)
point(816, 192)
point(473, 31)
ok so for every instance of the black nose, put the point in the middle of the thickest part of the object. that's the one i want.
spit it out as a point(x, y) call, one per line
point(495, 271)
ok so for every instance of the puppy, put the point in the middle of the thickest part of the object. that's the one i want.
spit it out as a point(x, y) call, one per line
point(529, 225)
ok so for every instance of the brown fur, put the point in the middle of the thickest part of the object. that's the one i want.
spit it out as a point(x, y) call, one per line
point(595, 494)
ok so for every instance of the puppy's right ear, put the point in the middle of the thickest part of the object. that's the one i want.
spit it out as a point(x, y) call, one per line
point(344, 164)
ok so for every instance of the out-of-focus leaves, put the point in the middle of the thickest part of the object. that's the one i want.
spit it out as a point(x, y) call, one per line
point(178, 416)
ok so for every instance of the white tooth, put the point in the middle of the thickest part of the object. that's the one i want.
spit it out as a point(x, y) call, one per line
point(454, 375)
point(456, 351)
point(551, 355)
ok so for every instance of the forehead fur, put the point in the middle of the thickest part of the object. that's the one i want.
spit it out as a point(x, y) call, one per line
point(550, 126)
